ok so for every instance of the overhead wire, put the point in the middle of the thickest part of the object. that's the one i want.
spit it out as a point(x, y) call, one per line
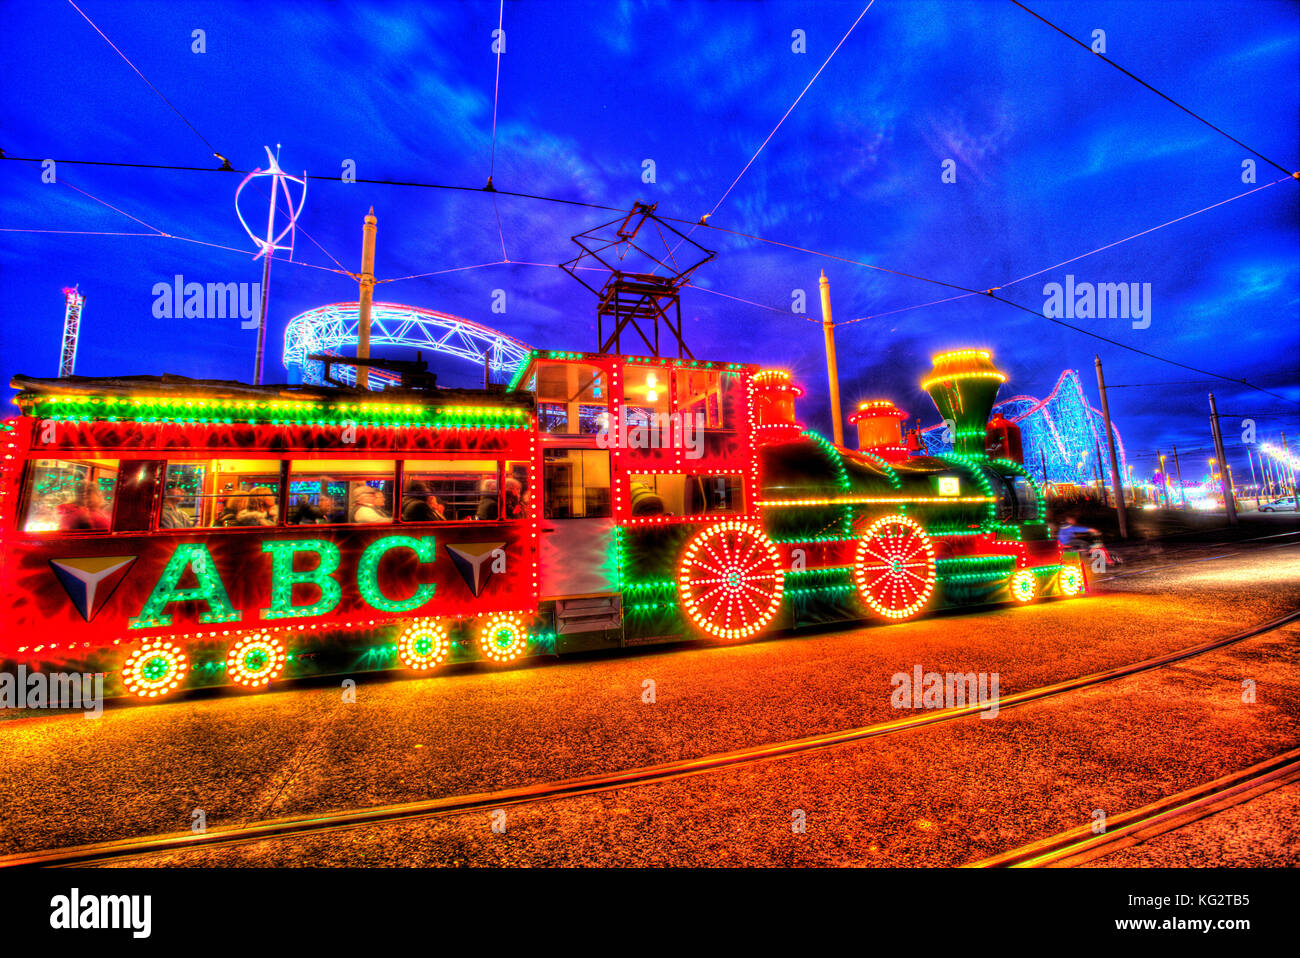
point(965, 291)
point(1101, 56)
point(146, 80)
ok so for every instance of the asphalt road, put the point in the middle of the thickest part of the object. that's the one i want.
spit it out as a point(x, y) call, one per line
point(942, 795)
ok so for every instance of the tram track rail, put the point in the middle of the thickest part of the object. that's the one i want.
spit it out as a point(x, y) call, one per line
point(1080, 845)
point(118, 849)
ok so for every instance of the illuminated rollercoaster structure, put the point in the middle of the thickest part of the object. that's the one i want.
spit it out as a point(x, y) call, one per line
point(332, 328)
point(1064, 431)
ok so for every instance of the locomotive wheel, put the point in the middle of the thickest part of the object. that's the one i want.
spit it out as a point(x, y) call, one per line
point(894, 567)
point(730, 580)
point(1070, 581)
point(1024, 586)
point(255, 660)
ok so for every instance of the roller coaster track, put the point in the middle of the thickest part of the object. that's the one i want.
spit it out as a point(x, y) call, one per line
point(1064, 430)
point(333, 328)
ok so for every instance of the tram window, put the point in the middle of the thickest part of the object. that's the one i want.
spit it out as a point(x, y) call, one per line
point(516, 483)
point(65, 495)
point(451, 490)
point(572, 398)
point(183, 491)
point(1004, 505)
point(341, 490)
point(576, 484)
point(677, 495)
point(207, 493)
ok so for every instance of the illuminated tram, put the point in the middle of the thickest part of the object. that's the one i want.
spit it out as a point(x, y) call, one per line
point(179, 533)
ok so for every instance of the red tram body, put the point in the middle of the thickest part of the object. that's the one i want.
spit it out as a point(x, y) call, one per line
point(179, 533)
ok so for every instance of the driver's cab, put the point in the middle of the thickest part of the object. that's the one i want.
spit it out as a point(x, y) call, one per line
point(629, 441)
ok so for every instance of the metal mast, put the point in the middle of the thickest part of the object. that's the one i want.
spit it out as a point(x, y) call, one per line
point(71, 328)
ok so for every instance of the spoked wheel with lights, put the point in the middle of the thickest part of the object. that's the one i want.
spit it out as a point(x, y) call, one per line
point(730, 580)
point(155, 668)
point(1070, 581)
point(255, 660)
point(894, 567)
point(1024, 586)
point(423, 645)
point(503, 637)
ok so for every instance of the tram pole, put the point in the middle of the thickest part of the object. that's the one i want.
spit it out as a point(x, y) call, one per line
point(1114, 463)
point(1253, 480)
point(1229, 506)
point(367, 281)
point(1178, 470)
point(832, 373)
point(1295, 492)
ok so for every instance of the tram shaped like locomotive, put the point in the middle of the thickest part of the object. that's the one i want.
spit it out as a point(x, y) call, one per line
point(179, 533)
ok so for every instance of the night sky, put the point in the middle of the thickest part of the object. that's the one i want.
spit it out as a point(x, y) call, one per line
point(1056, 154)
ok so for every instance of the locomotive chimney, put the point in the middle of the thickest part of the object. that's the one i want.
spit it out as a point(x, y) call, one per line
point(879, 424)
point(963, 384)
point(774, 396)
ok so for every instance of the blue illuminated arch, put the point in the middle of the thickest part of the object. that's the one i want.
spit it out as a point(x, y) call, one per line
point(332, 329)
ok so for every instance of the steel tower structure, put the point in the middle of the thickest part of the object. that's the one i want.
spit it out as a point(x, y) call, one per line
point(74, 300)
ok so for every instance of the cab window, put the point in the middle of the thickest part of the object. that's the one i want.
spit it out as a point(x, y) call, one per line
point(677, 495)
point(70, 495)
point(572, 398)
point(1026, 498)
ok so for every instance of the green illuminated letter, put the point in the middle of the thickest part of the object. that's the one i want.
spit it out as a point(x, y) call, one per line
point(284, 578)
point(210, 589)
point(368, 570)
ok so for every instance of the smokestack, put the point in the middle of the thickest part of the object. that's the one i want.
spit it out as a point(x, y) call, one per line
point(880, 429)
point(964, 384)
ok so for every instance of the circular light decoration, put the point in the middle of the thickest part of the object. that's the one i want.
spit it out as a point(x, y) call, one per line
point(255, 660)
point(502, 638)
point(1070, 581)
point(894, 567)
point(423, 645)
point(730, 580)
point(155, 668)
point(1023, 586)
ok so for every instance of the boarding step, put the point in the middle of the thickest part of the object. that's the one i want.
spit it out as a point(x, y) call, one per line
point(590, 614)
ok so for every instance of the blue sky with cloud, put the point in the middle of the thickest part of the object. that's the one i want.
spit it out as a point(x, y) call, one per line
point(1057, 154)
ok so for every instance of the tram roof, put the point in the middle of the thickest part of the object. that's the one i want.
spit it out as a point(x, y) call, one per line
point(169, 387)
